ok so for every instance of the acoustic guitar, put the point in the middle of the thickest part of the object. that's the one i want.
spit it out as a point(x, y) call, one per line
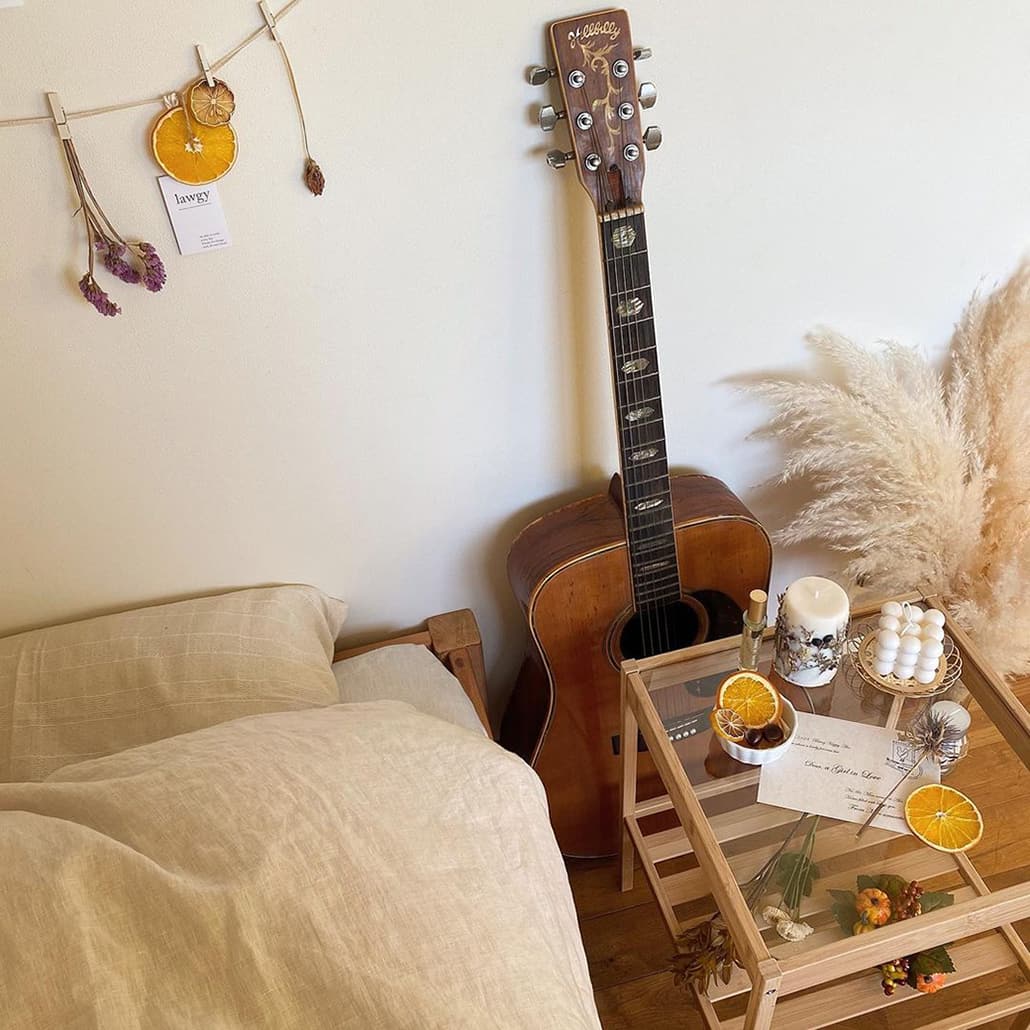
point(659, 562)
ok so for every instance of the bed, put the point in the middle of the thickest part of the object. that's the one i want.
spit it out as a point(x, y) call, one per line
point(212, 815)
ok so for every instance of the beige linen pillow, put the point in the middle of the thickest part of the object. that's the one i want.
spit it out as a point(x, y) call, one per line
point(406, 672)
point(92, 688)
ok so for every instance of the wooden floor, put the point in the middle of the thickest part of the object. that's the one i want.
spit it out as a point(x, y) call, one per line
point(628, 947)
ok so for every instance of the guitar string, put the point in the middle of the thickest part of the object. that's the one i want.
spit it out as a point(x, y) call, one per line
point(609, 231)
point(636, 433)
point(652, 522)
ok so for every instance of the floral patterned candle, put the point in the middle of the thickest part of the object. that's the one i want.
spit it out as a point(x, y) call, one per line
point(811, 628)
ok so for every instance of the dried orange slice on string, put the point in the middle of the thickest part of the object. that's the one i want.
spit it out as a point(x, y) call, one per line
point(943, 817)
point(752, 697)
point(192, 153)
point(211, 105)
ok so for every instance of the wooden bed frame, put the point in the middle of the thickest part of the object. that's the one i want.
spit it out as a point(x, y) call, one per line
point(454, 639)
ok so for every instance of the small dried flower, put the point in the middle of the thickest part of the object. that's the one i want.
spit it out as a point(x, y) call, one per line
point(787, 928)
point(96, 296)
point(116, 264)
point(154, 275)
point(313, 178)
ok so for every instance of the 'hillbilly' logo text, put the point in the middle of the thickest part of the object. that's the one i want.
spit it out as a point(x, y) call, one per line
point(593, 28)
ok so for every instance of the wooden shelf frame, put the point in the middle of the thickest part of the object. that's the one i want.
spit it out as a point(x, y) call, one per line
point(802, 987)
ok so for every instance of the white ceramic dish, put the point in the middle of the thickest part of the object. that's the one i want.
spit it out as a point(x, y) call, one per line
point(763, 756)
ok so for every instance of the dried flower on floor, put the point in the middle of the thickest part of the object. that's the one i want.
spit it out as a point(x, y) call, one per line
point(922, 480)
point(704, 953)
point(103, 241)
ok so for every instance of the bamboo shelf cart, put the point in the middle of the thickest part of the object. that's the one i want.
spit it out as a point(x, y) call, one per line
point(706, 834)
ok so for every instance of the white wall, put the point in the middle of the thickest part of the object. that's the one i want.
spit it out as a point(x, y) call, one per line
point(374, 390)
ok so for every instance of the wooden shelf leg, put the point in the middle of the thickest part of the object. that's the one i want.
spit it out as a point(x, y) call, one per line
point(764, 989)
point(629, 786)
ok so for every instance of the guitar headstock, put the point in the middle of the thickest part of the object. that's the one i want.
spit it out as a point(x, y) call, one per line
point(594, 56)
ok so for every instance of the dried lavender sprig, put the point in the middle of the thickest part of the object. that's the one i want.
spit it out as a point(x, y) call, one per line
point(154, 275)
point(111, 254)
point(96, 296)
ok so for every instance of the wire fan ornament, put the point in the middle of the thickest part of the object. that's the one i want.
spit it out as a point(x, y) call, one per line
point(860, 651)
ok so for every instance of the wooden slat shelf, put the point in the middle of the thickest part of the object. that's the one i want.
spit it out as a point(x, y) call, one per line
point(825, 1006)
point(830, 977)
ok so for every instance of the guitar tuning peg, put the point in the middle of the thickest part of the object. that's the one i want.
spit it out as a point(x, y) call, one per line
point(652, 137)
point(648, 94)
point(549, 117)
point(641, 53)
point(559, 158)
point(538, 75)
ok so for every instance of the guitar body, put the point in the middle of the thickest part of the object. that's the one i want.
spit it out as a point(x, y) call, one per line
point(570, 572)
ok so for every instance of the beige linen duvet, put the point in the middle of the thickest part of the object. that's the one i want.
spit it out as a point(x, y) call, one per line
point(359, 866)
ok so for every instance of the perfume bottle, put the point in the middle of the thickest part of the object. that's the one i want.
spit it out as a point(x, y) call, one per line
point(754, 627)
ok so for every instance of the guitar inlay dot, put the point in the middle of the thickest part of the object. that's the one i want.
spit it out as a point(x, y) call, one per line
point(629, 307)
point(638, 413)
point(651, 502)
point(636, 365)
point(653, 566)
point(647, 452)
point(623, 236)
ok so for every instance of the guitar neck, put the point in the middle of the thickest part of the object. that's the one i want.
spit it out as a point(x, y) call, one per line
point(647, 494)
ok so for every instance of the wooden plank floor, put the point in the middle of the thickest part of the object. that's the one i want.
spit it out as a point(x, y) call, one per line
point(628, 947)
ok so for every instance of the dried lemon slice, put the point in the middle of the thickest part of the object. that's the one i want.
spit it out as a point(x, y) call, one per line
point(211, 105)
point(752, 697)
point(192, 153)
point(943, 817)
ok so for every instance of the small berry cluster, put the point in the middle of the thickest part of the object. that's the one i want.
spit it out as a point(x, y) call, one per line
point(906, 906)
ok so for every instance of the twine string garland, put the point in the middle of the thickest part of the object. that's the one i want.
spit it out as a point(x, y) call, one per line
point(92, 112)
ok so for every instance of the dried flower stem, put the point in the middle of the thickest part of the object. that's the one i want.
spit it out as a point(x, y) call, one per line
point(103, 238)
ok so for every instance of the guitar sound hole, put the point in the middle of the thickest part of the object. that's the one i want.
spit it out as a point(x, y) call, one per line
point(702, 615)
point(676, 625)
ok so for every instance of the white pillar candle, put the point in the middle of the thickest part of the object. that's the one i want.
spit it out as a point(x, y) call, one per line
point(810, 630)
point(956, 715)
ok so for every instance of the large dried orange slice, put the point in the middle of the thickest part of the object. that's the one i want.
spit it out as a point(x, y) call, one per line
point(943, 817)
point(211, 105)
point(190, 152)
point(752, 697)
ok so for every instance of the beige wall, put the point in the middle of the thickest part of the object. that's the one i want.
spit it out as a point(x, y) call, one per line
point(374, 390)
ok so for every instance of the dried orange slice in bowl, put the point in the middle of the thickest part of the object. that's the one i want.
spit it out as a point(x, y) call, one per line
point(727, 724)
point(943, 817)
point(192, 153)
point(752, 697)
point(211, 105)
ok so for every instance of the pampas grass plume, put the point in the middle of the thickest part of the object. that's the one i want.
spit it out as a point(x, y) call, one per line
point(921, 480)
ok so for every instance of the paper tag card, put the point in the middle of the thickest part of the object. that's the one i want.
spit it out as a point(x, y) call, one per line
point(196, 215)
point(842, 770)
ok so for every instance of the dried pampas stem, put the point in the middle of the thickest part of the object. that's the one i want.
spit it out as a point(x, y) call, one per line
point(924, 481)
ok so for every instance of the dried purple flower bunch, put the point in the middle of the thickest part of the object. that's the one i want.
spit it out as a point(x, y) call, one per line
point(131, 262)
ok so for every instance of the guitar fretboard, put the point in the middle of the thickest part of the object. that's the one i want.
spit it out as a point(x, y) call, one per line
point(638, 402)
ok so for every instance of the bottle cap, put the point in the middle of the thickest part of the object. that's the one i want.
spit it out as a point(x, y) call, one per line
point(756, 609)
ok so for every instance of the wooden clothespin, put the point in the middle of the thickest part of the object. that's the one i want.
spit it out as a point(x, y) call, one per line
point(202, 57)
point(60, 118)
point(269, 20)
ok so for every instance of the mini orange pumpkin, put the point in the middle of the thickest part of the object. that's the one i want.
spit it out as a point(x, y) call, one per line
point(873, 906)
point(929, 983)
